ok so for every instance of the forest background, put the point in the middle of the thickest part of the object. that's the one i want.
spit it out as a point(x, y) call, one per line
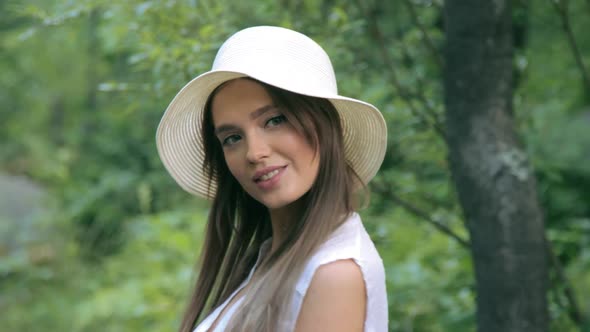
point(95, 236)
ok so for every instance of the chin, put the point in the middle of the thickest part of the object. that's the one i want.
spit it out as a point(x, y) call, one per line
point(274, 203)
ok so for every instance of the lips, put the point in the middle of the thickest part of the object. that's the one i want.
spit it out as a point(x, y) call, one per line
point(267, 173)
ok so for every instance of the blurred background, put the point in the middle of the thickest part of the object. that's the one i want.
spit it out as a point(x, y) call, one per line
point(95, 235)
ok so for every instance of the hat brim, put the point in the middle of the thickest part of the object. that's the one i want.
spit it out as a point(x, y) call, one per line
point(181, 148)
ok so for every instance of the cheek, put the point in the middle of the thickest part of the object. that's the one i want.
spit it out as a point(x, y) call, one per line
point(309, 159)
point(233, 164)
point(314, 156)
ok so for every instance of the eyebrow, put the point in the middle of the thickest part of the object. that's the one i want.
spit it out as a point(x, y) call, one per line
point(255, 114)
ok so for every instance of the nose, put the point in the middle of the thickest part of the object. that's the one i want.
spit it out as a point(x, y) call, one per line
point(258, 148)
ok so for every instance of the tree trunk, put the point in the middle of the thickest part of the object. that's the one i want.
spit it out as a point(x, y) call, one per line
point(492, 175)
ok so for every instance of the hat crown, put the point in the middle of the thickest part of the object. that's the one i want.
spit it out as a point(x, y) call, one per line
point(280, 57)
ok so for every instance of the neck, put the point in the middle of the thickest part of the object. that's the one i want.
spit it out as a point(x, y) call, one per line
point(281, 220)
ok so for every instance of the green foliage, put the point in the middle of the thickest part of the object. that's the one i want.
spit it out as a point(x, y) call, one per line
point(143, 287)
point(429, 281)
point(85, 82)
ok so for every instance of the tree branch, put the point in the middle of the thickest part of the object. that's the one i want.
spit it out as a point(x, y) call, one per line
point(422, 215)
point(562, 9)
point(425, 35)
point(574, 310)
point(420, 95)
point(401, 91)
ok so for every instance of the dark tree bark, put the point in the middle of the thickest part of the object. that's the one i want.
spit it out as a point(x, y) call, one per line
point(492, 175)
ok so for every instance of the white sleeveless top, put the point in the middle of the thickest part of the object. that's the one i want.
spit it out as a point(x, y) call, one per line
point(349, 241)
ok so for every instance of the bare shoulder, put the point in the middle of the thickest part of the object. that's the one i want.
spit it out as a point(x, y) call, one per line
point(335, 300)
point(342, 273)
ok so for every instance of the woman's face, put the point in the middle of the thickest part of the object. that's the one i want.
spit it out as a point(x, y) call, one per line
point(273, 162)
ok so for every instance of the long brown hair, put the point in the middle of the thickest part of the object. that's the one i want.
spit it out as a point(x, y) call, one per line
point(238, 224)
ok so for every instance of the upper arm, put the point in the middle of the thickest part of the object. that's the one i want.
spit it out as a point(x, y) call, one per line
point(335, 300)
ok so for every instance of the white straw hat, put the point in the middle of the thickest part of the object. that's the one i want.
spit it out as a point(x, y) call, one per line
point(282, 58)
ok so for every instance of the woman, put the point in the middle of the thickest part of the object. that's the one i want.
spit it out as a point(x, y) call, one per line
point(283, 157)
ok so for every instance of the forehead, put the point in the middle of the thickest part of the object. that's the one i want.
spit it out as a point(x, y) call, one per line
point(237, 99)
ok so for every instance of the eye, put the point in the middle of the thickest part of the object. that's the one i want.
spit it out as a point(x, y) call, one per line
point(230, 140)
point(275, 121)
